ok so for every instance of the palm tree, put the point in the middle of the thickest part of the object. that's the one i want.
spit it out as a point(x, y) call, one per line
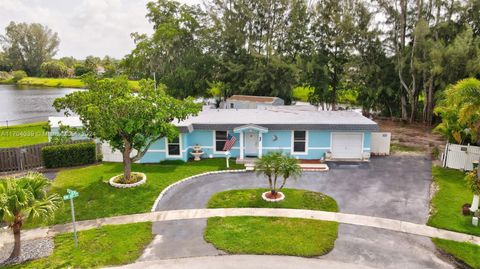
point(268, 165)
point(25, 199)
point(466, 95)
point(289, 168)
point(274, 165)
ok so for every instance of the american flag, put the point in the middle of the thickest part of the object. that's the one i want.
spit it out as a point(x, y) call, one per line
point(229, 143)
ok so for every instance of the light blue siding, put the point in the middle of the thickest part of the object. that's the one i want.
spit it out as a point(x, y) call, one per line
point(367, 141)
point(318, 143)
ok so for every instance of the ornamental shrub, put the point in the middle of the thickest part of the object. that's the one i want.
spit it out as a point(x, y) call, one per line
point(18, 75)
point(69, 154)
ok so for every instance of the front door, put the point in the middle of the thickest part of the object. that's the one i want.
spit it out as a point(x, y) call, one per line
point(251, 144)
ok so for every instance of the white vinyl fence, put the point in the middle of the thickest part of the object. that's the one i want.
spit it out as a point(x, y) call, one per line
point(110, 155)
point(460, 156)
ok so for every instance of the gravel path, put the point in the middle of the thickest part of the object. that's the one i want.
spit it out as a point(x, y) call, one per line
point(31, 249)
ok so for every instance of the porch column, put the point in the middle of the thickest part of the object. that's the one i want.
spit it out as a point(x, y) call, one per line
point(260, 144)
point(241, 145)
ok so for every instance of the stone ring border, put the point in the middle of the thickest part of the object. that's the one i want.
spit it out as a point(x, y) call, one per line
point(160, 196)
point(124, 186)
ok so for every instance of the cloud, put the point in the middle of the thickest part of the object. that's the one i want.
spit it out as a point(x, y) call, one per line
point(85, 27)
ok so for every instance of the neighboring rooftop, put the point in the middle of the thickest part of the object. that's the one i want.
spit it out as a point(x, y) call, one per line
point(67, 121)
point(278, 118)
point(251, 98)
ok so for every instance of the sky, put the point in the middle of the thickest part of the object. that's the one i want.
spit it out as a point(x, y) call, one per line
point(85, 27)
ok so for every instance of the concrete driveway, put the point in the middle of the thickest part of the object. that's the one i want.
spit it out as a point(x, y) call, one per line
point(395, 187)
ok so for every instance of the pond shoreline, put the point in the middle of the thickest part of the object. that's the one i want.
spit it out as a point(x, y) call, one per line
point(55, 82)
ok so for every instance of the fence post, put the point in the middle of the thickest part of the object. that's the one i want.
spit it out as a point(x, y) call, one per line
point(445, 155)
point(18, 155)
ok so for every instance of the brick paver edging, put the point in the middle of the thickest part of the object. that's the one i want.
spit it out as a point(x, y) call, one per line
point(160, 196)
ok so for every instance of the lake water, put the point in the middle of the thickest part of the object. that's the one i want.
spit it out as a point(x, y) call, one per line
point(28, 104)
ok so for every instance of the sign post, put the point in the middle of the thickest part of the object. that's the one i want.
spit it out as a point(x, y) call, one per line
point(69, 196)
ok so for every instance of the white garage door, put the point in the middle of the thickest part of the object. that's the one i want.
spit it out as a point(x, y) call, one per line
point(347, 146)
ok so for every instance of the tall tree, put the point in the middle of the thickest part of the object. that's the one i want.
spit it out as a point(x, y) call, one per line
point(111, 111)
point(27, 46)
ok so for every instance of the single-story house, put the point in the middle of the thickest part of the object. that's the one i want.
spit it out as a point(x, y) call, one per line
point(304, 134)
point(251, 102)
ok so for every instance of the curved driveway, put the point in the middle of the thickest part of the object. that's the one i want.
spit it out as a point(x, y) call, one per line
point(395, 187)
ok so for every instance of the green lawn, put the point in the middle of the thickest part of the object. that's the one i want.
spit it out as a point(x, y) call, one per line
point(466, 252)
point(108, 245)
point(57, 82)
point(98, 199)
point(447, 202)
point(52, 82)
point(297, 199)
point(272, 236)
point(23, 135)
point(275, 236)
point(395, 147)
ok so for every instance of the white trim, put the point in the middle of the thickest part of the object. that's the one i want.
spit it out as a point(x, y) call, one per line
point(180, 144)
point(277, 148)
point(155, 150)
point(260, 144)
point(292, 152)
point(242, 154)
point(319, 148)
point(258, 128)
point(366, 148)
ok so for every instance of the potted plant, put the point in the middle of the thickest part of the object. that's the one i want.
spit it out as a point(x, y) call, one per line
point(328, 155)
point(466, 209)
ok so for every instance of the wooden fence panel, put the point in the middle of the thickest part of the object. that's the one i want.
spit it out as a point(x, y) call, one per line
point(24, 158)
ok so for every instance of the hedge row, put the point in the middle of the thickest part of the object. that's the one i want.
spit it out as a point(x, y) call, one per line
point(69, 154)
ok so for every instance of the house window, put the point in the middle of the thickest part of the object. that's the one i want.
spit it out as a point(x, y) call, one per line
point(220, 139)
point(232, 105)
point(174, 147)
point(299, 141)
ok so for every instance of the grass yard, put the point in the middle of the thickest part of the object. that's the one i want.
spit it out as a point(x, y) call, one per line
point(466, 252)
point(447, 202)
point(98, 199)
point(395, 147)
point(297, 199)
point(57, 82)
point(274, 236)
point(52, 82)
point(23, 135)
point(108, 245)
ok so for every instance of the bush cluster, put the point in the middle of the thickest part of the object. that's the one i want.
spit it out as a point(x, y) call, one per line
point(69, 154)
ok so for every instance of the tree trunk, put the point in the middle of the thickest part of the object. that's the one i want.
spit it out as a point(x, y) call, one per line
point(16, 227)
point(413, 109)
point(403, 101)
point(127, 161)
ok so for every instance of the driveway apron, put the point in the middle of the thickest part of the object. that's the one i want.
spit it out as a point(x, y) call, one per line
point(395, 187)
